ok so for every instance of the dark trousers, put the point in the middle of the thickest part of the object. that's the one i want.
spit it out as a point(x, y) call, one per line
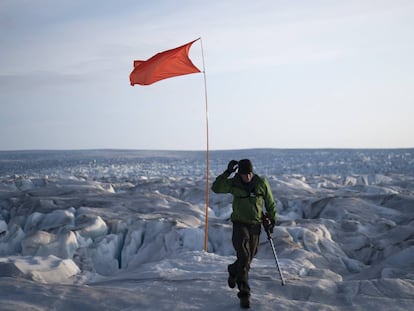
point(245, 241)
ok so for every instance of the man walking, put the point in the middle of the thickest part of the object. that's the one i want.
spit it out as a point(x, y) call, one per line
point(250, 192)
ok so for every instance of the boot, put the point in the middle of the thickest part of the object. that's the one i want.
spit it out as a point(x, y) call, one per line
point(244, 295)
point(231, 281)
point(244, 302)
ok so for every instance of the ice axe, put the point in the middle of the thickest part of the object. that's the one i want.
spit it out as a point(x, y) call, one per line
point(267, 225)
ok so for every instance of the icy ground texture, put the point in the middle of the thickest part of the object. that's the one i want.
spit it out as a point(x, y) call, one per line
point(124, 230)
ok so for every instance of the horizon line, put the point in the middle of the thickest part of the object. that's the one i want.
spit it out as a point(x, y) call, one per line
point(201, 150)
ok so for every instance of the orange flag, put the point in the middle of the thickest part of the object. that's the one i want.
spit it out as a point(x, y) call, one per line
point(163, 65)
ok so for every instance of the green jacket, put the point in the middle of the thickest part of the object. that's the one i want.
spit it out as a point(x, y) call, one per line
point(248, 199)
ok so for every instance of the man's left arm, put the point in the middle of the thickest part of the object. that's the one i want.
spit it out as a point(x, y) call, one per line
point(270, 203)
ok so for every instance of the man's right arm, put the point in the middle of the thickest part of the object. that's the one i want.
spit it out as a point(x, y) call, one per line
point(222, 184)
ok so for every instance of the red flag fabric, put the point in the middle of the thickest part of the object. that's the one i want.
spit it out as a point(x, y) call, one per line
point(167, 64)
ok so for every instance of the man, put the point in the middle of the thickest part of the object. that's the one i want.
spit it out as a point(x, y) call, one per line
point(249, 192)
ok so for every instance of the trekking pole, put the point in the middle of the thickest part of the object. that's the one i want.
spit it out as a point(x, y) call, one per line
point(266, 222)
point(269, 237)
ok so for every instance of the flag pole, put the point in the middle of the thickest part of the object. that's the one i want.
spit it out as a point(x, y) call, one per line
point(207, 150)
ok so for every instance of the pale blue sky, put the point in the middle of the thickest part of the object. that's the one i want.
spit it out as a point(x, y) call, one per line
point(280, 74)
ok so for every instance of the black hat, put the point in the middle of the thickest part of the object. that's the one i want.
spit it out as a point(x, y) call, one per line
point(245, 166)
